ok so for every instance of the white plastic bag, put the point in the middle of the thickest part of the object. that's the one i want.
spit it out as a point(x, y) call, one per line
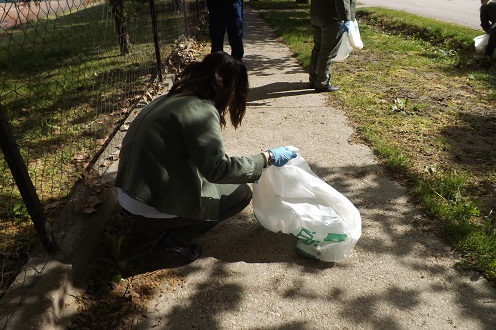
point(293, 200)
point(481, 42)
point(350, 42)
point(344, 49)
point(355, 39)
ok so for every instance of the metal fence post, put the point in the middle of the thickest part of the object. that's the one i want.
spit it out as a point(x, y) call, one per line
point(23, 181)
point(186, 24)
point(198, 11)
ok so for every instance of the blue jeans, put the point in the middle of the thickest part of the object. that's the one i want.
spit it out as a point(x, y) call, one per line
point(327, 38)
point(226, 15)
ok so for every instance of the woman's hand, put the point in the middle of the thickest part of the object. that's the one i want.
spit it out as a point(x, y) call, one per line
point(280, 156)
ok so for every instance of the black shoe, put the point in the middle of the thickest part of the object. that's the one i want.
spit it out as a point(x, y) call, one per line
point(311, 85)
point(328, 88)
point(181, 254)
point(175, 253)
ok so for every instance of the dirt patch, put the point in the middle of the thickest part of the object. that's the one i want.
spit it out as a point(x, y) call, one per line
point(123, 277)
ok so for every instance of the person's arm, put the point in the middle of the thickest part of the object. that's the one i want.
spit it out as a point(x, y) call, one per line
point(343, 9)
point(268, 158)
point(484, 18)
point(352, 10)
point(201, 131)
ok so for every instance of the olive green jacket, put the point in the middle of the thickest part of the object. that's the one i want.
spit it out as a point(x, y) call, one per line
point(173, 154)
point(333, 10)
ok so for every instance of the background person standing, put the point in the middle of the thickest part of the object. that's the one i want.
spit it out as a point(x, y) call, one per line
point(488, 24)
point(329, 19)
point(226, 15)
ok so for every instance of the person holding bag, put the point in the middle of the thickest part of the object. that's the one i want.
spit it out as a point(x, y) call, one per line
point(173, 170)
point(488, 24)
point(329, 19)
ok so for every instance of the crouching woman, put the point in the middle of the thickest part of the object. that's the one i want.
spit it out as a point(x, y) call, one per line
point(173, 168)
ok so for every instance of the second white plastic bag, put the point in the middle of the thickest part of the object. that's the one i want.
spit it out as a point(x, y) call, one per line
point(350, 42)
point(293, 200)
point(480, 43)
point(355, 38)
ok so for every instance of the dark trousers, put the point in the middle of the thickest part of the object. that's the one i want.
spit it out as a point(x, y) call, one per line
point(234, 198)
point(327, 38)
point(226, 15)
point(491, 45)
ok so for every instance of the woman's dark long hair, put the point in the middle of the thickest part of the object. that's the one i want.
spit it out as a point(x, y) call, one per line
point(220, 78)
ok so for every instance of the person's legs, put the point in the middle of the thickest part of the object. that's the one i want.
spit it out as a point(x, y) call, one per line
point(314, 56)
point(330, 39)
point(217, 25)
point(233, 199)
point(177, 235)
point(235, 29)
point(166, 248)
point(491, 44)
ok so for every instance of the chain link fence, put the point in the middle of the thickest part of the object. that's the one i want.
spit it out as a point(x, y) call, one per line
point(70, 74)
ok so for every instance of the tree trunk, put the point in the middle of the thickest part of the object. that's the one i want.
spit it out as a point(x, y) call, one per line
point(122, 35)
point(120, 25)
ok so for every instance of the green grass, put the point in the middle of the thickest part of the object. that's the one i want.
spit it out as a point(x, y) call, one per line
point(64, 88)
point(425, 103)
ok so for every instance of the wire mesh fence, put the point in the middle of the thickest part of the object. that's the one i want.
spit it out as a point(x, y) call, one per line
point(71, 71)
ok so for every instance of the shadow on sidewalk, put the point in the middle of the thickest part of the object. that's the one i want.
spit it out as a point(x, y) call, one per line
point(277, 90)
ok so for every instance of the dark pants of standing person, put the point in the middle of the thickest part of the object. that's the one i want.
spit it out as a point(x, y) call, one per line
point(491, 44)
point(327, 37)
point(233, 199)
point(226, 15)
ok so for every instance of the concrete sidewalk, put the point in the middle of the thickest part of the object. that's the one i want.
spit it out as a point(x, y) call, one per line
point(399, 276)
